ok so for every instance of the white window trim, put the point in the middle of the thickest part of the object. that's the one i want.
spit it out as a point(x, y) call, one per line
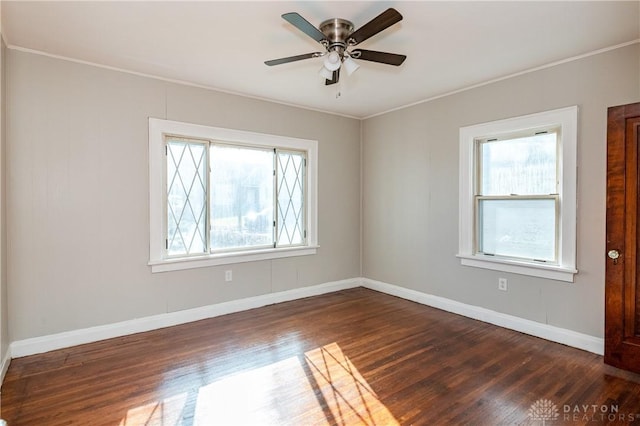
point(567, 119)
point(157, 183)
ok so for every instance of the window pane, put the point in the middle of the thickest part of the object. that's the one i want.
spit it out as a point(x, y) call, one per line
point(186, 197)
point(518, 228)
point(524, 166)
point(241, 197)
point(290, 198)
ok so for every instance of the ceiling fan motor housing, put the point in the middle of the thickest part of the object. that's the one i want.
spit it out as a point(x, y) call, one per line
point(337, 30)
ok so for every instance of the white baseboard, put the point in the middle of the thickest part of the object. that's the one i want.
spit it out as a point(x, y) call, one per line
point(67, 339)
point(6, 360)
point(533, 328)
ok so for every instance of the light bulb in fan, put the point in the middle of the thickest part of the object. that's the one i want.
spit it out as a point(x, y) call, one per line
point(332, 61)
point(325, 73)
point(350, 65)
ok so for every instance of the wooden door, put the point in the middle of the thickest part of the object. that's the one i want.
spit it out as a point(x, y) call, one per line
point(622, 288)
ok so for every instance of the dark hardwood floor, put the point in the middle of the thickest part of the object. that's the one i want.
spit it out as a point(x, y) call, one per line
point(350, 357)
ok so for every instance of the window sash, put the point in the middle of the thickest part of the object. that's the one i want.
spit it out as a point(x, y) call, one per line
point(170, 214)
point(479, 165)
point(479, 197)
point(478, 225)
point(285, 211)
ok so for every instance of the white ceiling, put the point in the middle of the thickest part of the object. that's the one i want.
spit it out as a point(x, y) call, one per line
point(222, 45)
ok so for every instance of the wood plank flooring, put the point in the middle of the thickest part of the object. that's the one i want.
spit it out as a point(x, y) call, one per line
point(351, 357)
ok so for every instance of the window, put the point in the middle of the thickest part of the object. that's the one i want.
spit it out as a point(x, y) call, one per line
point(222, 196)
point(518, 195)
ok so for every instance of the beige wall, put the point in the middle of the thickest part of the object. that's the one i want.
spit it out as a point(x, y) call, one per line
point(410, 195)
point(78, 196)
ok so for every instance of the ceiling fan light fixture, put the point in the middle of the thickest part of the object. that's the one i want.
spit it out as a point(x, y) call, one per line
point(332, 61)
point(350, 65)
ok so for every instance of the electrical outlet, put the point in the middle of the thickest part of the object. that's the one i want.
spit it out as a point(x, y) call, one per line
point(502, 284)
point(228, 275)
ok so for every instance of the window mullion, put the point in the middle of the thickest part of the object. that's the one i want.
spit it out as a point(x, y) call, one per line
point(208, 198)
point(276, 191)
point(517, 197)
point(304, 192)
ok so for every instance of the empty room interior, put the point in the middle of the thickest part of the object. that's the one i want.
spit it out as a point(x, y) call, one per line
point(308, 213)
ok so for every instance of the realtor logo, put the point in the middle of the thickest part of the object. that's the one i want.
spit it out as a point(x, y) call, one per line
point(544, 410)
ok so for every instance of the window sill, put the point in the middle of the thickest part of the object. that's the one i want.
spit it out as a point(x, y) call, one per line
point(553, 272)
point(165, 265)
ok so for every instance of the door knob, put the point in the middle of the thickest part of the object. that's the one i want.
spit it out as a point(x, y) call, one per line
point(614, 254)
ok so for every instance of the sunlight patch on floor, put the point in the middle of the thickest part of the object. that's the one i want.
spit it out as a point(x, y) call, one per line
point(161, 413)
point(269, 395)
point(347, 394)
point(319, 386)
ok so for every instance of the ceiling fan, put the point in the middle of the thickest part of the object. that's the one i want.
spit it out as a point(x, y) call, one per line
point(337, 36)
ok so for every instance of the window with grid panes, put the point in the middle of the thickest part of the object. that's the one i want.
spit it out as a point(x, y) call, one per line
point(229, 196)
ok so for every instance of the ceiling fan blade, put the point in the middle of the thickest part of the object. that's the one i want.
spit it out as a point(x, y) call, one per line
point(373, 27)
point(292, 58)
point(334, 79)
point(381, 57)
point(303, 25)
